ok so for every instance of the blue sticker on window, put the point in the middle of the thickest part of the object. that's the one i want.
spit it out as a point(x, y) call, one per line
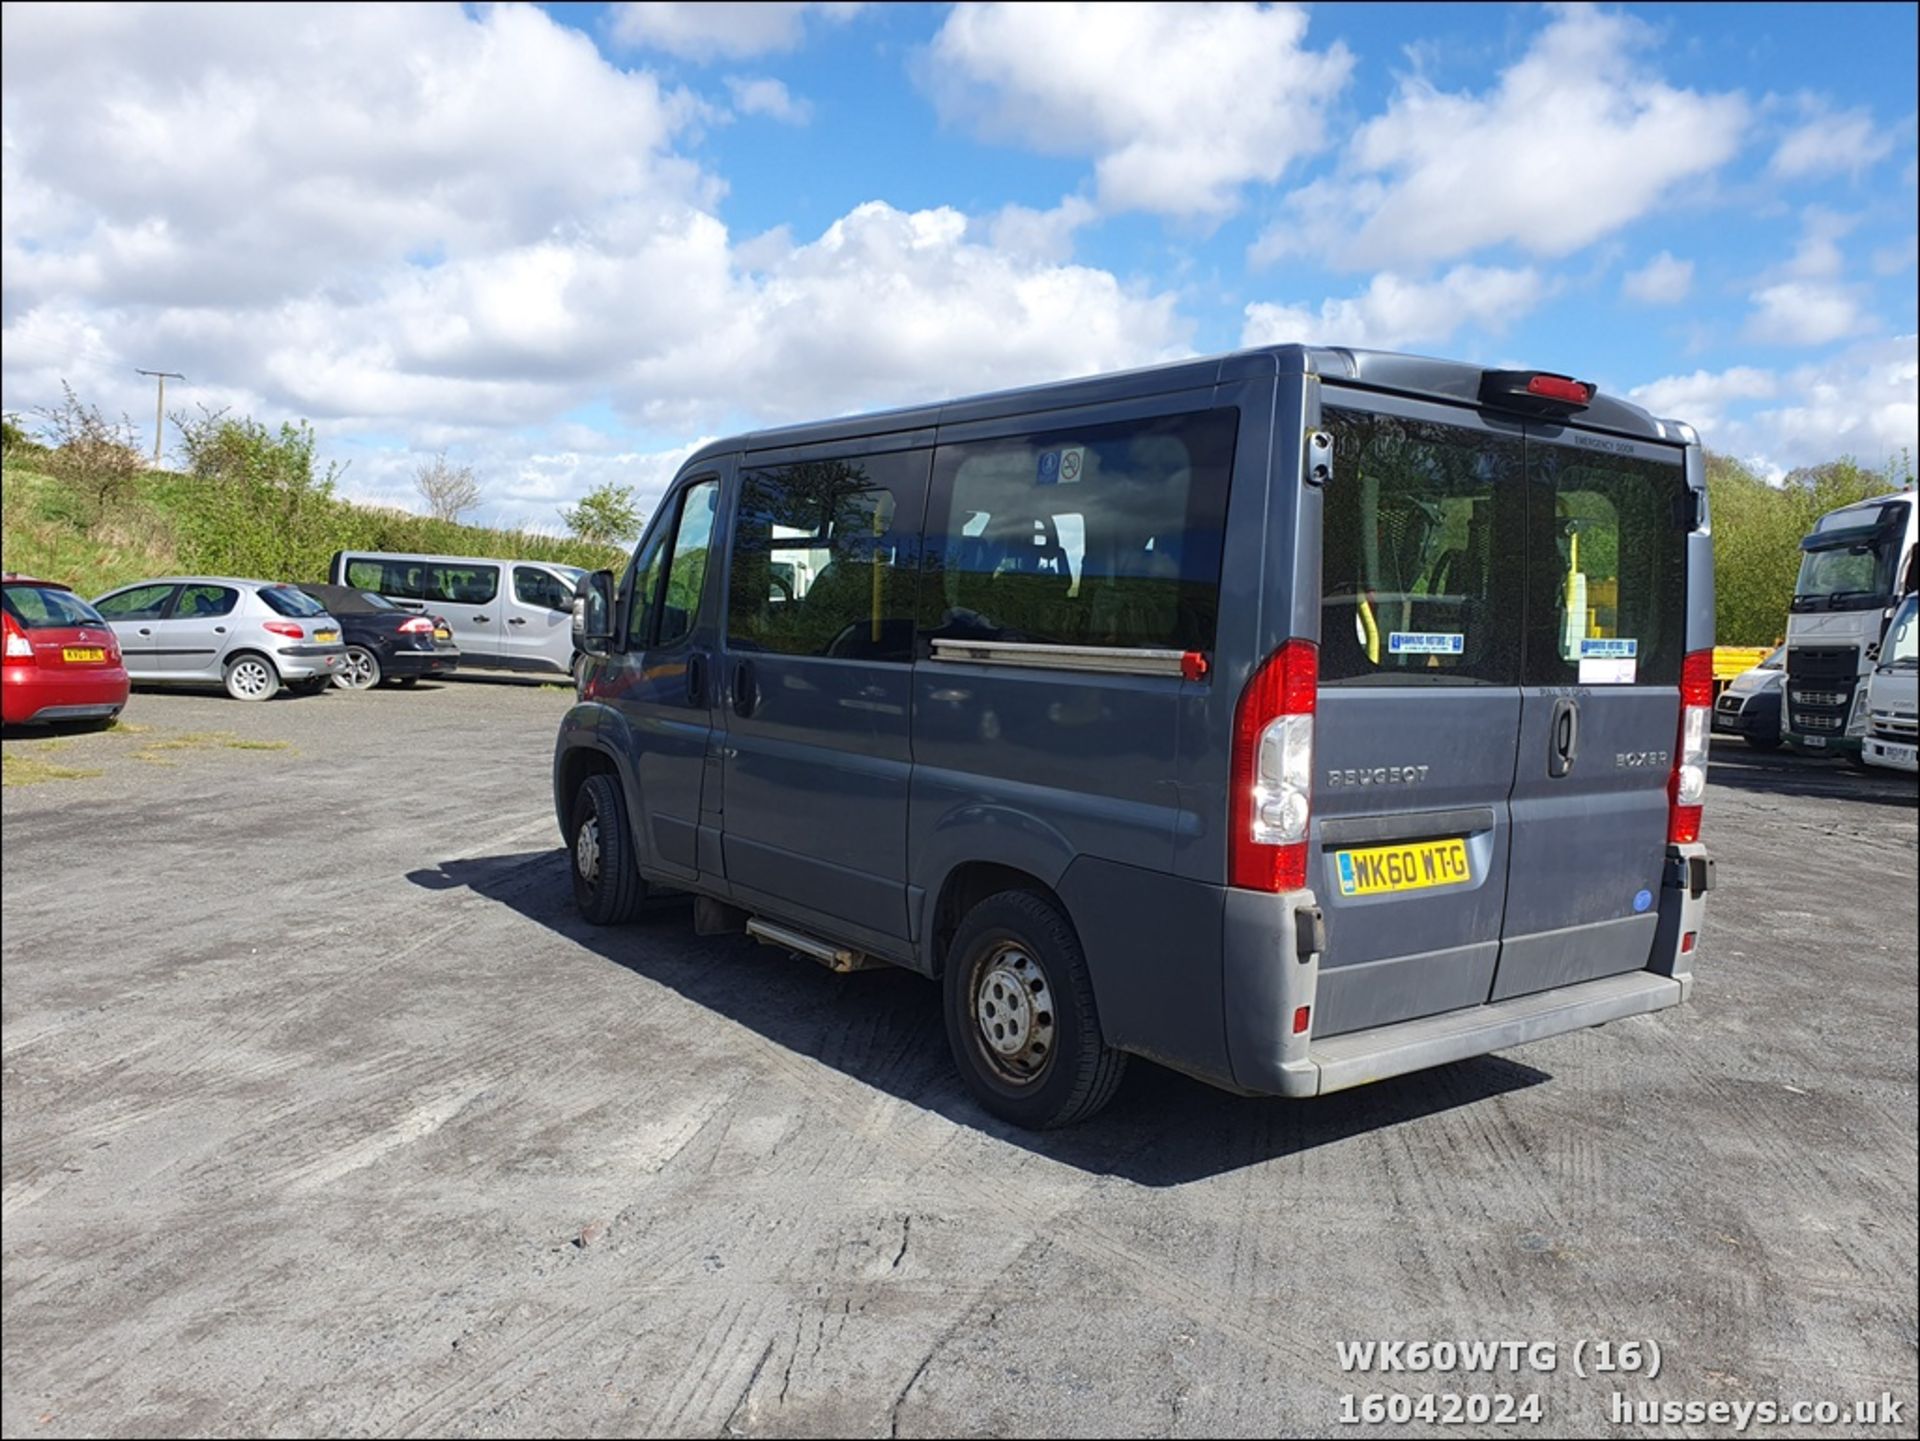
point(1426, 642)
point(1049, 467)
point(1642, 900)
point(1609, 648)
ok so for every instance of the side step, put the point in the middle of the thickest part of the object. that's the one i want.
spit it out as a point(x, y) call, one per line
point(834, 958)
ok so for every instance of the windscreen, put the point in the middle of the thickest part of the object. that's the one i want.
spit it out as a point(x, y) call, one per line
point(1855, 572)
point(288, 601)
point(37, 607)
point(1902, 650)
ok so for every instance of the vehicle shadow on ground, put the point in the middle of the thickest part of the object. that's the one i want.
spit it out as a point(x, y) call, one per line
point(884, 1029)
point(1782, 773)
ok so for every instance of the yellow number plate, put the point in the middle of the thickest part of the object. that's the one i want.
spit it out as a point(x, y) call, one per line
point(82, 653)
point(326, 637)
point(1413, 866)
point(442, 633)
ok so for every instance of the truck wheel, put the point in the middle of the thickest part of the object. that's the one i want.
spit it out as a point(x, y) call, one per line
point(606, 885)
point(1020, 1015)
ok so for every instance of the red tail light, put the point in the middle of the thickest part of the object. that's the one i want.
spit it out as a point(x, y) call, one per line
point(1687, 785)
point(1272, 780)
point(284, 627)
point(19, 648)
point(419, 625)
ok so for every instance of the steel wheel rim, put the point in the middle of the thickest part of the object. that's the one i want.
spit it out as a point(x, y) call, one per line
point(586, 851)
point(359, 672)
point(1015, 1023)
point(250, 678)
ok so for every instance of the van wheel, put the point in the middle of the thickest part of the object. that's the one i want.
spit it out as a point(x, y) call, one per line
point(1020, 1015)
point(606, 886)
point(252, 677)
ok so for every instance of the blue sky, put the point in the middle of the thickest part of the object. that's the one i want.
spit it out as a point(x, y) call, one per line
point(568, 243)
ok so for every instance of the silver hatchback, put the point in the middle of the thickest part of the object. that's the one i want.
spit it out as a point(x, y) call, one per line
point(251, 636)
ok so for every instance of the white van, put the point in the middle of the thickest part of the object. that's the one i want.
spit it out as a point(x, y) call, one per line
point(509, 615)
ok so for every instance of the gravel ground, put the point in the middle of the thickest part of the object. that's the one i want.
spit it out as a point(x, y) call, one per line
point(323, 1113)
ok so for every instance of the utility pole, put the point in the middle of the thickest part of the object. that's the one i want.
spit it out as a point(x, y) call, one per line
point(160, 406)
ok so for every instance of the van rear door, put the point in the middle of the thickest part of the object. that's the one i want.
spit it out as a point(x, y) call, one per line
point(1607, 523)
point(1423, 534)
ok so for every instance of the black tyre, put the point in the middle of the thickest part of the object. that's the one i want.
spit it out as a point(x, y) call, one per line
point(606, 886)
point(1858, 760)
point(360, 671)
point(1020, 1015)
point(1764, 743)
point(251, 677)
point(407, 682)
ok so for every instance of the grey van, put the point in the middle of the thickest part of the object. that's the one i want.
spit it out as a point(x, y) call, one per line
point(1293, 719)
point(506, 615)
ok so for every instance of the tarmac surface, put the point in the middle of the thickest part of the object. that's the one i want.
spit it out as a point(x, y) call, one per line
point(323, 1112)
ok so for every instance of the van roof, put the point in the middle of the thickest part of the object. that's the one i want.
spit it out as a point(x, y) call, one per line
point(453, 559)
point(1445, 380)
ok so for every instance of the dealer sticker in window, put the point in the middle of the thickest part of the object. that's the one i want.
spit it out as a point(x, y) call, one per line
point(1426, 642)
point(1608, 648)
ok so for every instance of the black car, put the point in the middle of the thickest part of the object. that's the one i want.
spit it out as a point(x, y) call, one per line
point(385, 642)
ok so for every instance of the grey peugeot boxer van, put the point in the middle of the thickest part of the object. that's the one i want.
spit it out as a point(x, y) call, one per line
point(1294, 719)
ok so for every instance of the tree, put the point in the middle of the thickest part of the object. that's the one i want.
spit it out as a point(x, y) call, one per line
point(96, 458)
point(606, 515)
point(449, 490)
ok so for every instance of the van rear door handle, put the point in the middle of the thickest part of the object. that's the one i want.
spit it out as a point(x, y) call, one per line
point(1563, 737)
point(746, 694)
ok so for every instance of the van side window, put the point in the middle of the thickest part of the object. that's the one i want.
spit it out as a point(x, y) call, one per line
point(533, 586)
point(458, 584)
point(1099, 536)
point(1607, 569)
point(367, 575)
point(824, 557)
point(1421, 553)
point(687, 564)
point(643, 585)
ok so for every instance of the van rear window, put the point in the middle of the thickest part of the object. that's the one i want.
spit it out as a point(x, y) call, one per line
point(1097, 536)
point(1420, 535)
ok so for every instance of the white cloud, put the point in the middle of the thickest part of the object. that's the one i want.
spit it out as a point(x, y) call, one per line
point(1575, 141)
point(762, 95)
point(1831, 144)
point(1394, 312)
point(711, 29)
point(1704, 398)
point(465, 248)
point(1661, 281)
point(1863, 402)
point(1179, 106)
point(1804, 312)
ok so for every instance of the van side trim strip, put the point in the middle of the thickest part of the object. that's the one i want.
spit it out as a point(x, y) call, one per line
point(1109, 659)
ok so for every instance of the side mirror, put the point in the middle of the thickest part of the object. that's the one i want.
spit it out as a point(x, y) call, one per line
point(593, 614)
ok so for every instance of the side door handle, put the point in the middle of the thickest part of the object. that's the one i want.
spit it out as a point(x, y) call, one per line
point(696, 679)
point(219, 630)
point(746, 691)
point(481, 619)
point(516, 620)
point(1563, 737)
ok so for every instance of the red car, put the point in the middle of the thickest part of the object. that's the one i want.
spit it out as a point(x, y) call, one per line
point(62, 661)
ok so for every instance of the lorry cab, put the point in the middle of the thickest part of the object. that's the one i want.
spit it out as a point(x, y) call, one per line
point(1893, 694)
point(1294, 718)
point(1855, 564)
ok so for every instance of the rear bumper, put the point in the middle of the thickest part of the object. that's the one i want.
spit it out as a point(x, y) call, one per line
point(1362, 1056)
point(32, 696)
point(421, 662)
point(1272, 975)
point(305, 662)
